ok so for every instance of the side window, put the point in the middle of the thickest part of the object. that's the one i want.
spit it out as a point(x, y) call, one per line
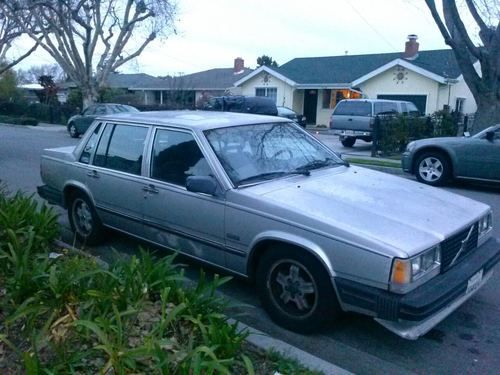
point(90, 146)
point(121, 148)
point(176, 156)
point(385, 108)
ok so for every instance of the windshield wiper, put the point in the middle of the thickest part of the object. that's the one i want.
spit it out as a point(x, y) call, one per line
point(315, 164)
point(262, 176)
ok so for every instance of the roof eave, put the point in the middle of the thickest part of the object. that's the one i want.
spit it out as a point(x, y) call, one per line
point(272, 72)
point(404, 63)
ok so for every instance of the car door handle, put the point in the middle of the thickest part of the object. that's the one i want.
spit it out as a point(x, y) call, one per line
point(93, 174)
point(349, 119)
point(150, 189)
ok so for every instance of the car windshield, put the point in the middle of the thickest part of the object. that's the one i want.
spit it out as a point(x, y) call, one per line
point(256, 153)
point(482, 134)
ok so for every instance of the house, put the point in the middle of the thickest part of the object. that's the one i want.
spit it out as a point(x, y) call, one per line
point(314, 85)
point(192, 89)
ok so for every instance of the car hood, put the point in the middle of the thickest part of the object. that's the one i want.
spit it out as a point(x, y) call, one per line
point(442, 140)
point(384, 213)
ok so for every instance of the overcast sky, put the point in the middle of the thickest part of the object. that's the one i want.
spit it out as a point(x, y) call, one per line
point(211, 34)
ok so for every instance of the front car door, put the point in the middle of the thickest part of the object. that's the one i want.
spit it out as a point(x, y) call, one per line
point(114, 176)
point(191, 223)
point(479, 157)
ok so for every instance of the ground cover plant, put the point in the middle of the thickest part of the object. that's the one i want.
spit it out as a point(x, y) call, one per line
point(64, 313)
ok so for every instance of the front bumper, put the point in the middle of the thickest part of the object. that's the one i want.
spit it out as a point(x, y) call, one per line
point(406, 162)
point(413, 314)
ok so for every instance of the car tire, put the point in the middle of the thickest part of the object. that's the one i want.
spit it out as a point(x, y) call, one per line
point(73, 132)
point(433, 168)
point(348, 142)
point(295, 290)
point(84, 220)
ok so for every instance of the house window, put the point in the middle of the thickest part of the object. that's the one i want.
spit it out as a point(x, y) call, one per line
point(332, 97)
point(270, 92)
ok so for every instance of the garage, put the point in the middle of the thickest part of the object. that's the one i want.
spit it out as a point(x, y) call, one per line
point(419, 100)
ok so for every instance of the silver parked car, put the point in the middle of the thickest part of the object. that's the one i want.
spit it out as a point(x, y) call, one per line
point(260, 197)
point(435, 161)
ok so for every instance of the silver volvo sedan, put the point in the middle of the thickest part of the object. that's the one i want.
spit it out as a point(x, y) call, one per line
point(260, 197)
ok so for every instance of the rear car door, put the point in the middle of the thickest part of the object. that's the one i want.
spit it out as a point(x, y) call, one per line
point(114, 177)
point(192, 223)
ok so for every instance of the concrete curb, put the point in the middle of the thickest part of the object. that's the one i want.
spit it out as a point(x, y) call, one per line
point(256, 337)
point(266, 343)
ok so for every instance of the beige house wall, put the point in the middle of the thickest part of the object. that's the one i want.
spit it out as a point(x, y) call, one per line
point(413, 84)
point(285, 92)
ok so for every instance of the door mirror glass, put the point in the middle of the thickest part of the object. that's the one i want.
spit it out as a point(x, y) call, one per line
point(201, 184)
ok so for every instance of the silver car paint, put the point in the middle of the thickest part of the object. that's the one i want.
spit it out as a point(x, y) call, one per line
point(351, 219)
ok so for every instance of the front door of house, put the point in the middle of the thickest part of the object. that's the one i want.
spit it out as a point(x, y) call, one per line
point(310, 105)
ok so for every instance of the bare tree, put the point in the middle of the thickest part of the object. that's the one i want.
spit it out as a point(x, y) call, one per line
point(34, 72)
point(89, 39)
point(9, 32)
point(484, 85)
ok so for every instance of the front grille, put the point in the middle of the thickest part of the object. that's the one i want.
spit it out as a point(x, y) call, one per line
point(451, 246)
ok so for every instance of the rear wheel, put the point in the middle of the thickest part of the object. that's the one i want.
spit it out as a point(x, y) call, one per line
point(348, 142)
point(296, 290)
point(433, 168)
point(72, 131)
point(84, 220)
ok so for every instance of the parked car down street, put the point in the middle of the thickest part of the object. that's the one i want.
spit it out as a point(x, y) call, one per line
point(78, 124)
point(292, 115)
point(274, 205)
point(353, 119)
point(435, 161)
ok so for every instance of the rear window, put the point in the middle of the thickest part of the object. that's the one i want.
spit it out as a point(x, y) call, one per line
point(360, 108)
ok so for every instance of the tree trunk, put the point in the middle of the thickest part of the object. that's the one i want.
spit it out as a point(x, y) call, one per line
point(88, 96)
point(487, 114)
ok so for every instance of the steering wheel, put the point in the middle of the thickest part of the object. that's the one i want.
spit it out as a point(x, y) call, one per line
point(287, 154)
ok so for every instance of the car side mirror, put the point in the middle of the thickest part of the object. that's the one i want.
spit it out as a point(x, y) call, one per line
point(490, 135)
point(466, 134)
point(201, 184)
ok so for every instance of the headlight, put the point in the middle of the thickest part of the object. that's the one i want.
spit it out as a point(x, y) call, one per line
point(411, 146)
point(408, 273)
point(485, 223)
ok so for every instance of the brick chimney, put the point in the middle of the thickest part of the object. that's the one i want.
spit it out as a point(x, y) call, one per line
point(411, 47)
point(239, 65)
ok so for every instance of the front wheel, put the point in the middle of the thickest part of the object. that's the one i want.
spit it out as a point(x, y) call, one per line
point(84, 220)
point(73, 132)
point(433, 169)
point(295, 290)
point(348, 142)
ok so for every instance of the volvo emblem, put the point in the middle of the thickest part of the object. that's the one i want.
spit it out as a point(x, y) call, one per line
point(463, 246)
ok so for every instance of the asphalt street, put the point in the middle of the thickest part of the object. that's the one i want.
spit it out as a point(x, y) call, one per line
point(468, 341)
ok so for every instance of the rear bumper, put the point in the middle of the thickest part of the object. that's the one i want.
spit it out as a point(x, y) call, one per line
point(352, 133)
point(51, 195)
point(413, 314)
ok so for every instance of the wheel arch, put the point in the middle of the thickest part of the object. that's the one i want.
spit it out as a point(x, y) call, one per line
point(72, 188)
point(429, 149)
point(265, 242)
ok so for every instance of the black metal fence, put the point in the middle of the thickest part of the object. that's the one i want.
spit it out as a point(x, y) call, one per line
point(55, 114)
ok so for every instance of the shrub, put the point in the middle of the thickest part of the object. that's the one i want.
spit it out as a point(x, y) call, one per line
point(63, 313)
point(392, 133)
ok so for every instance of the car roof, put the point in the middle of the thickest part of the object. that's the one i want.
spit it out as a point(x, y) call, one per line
point(201, 120)
point(375, 100)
